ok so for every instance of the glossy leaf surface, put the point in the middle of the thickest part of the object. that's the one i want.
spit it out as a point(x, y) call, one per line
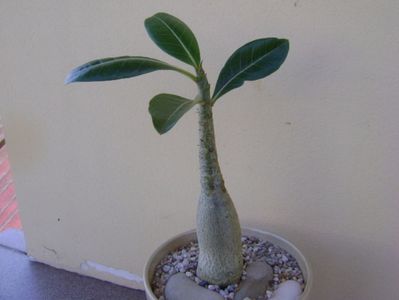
point(254, 60)
point(167, 109)
point(114, 68)
point(174, 37)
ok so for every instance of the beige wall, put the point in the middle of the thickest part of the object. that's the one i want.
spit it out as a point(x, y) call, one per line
point(310, 153)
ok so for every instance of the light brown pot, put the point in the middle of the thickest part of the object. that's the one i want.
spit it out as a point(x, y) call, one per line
point(186, 237)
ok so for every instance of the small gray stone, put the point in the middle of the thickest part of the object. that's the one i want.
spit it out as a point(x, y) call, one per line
point(259, 270)
point(189, 274)
point(203, 283)
point(180, 287)
point(166, 268)
point(258, 276)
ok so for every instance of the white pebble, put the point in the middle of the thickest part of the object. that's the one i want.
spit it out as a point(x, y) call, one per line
point(288, 290)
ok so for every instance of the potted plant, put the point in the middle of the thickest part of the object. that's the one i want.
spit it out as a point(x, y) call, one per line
point(219, 234)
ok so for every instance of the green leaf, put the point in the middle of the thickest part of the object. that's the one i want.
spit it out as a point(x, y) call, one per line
point(253, 61)
point(114, 68)
point(174, 37)
point(167, 109)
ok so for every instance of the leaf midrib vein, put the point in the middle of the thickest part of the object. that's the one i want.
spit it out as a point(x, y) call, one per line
point(239, 73)
point(179, 40)
point(176, 110)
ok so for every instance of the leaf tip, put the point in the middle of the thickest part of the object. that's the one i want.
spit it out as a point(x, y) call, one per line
point(70, 78)
point(160, 132)
point(159, 128)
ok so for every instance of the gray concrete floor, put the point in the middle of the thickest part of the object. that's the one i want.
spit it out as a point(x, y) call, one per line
point(22, 279)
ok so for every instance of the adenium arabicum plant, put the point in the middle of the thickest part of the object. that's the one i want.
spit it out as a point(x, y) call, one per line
point(218, 228)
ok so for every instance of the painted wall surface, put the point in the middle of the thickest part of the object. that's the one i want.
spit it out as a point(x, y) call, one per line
point(310, 153)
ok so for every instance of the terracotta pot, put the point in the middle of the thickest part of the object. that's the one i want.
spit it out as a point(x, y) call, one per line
point(186, 237)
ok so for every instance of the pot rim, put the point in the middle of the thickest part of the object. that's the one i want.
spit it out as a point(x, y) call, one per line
point(275, 238)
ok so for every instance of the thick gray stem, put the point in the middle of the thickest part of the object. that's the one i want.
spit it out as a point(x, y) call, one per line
point(218, 228)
